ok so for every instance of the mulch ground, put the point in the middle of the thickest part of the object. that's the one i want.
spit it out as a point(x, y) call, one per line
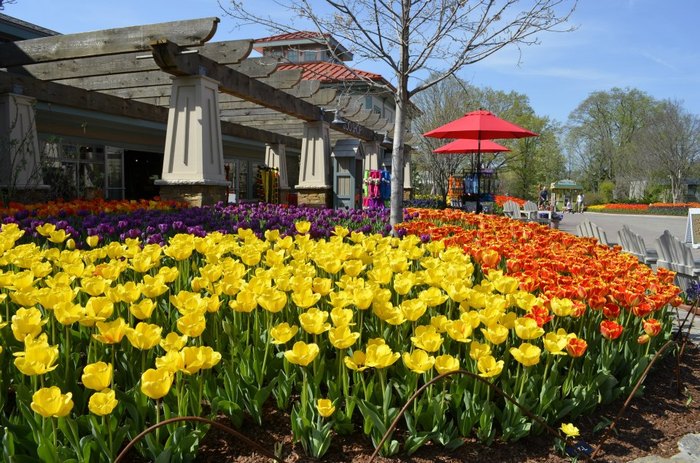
point(652, 424)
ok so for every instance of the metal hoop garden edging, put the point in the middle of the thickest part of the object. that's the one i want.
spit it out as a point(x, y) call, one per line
point(531, 415)
point(223, 427)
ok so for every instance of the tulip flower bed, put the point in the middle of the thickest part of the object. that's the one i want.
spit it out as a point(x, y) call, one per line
point(155, 222)
point(654, 208)
point(101, 342)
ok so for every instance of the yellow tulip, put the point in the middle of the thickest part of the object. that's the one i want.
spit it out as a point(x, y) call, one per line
point(314, 321)
point(103, 403)
point(341, 337)
point(97, 376)
point(353, 267)
point(527, 354)
point(156, 383)
point(432, 296)
point(478, 350)
point(38, 356)
point(356, 361)
point(439, 322)
point(325, 407)
point(379, 355)
point(167, 274)
point(50, 402)
point(362, 298)
point(488, 366)
point(153, 286)
point(192, 324)
point(341, 317)
point(26, 322)
point(245, 302)
point(143, 309)
point(525, 300)
point(283, 332)
point(272, 300)
point(389, 313)
point(427, 338)
point(459, 330)
point(302, 226)
point(413, 309)
point(144, 336)
point(570, 430)
point(380, 274)
point(97, 309)
point(446, 363)
point(111, 332)
point(555, 343)
point(46, 229)
point(495, 333)
point(404, 282)
point(561, 307)
point(305, 298)
point(418, 361)
point(505, 284)
point(92, 240)
point(302, 353)
point(322, 286)
point(527, 329)
point(59, 236)
point(173, 361)
point(94, 286)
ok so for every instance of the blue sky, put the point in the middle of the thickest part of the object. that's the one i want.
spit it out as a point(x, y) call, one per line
point(644, 44)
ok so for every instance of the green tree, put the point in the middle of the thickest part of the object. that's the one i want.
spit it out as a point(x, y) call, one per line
point(413, 37)
point(602, 137)
point(669, 145)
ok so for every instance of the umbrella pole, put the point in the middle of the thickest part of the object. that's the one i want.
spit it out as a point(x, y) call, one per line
point(478, 176)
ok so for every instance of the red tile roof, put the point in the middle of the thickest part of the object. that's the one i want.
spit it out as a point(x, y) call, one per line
point(331, 72)
point(301, 35)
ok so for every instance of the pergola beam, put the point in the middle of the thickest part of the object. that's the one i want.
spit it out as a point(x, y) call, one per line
point(107, 42)
point(50, 92)
point(230, 52)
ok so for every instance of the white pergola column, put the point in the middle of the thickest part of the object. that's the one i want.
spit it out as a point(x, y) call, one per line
point(193, 162)
point(372, 151)
point(314, 187)
point(276, 157)
point(20, 161)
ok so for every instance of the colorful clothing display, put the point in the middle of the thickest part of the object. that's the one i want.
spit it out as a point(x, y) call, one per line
point(267, 184)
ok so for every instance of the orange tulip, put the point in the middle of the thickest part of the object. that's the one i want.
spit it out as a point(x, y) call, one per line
point(610, 329)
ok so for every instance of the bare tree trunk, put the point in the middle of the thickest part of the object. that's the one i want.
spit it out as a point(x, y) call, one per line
point(397, 160)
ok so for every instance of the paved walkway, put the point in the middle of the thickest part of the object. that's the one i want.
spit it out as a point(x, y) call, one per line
point(649, 227)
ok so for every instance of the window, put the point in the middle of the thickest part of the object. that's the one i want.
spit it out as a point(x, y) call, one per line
point(310, 55)
point(293, 56)
point(368, 102)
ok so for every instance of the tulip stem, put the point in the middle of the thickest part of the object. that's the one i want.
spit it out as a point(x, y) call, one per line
point(54, 432)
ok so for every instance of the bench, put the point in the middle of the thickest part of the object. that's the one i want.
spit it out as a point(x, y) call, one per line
point(633, 243)
point(677, 256)
point(589, 229)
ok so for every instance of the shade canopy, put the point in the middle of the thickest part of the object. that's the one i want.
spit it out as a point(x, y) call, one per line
point(466, 145)
point(480, 125)
point(565, 184)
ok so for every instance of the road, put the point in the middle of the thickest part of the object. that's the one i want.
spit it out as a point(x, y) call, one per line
point(648, 227)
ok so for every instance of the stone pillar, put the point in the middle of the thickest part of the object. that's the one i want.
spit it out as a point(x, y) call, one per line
point(407, 180)
point(21, 176)
point(372, 152)
point(314, 188)
point(193, 162)
point(276, 157)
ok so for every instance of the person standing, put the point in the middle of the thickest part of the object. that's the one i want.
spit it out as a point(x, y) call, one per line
point(544, 197)
point(579, 202)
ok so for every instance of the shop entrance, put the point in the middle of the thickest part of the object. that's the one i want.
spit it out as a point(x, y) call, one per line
point(141, 169)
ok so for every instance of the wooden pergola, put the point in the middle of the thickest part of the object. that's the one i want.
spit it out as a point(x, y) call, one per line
point(147, 73)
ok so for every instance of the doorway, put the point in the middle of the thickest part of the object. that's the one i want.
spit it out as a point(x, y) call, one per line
point(141, 169)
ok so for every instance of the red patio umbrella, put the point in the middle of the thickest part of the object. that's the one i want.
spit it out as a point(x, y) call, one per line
point(465, 145)
point(480, 125)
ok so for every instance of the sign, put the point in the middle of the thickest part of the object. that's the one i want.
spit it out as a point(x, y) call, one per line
point(692, 228)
